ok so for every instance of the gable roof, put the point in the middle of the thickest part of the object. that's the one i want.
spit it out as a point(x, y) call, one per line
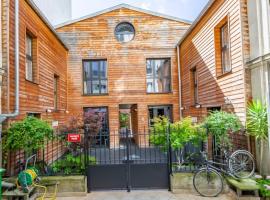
point(127, 6)
point(46, 21)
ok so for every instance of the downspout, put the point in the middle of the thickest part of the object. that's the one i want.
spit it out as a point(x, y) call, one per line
point(17, 67)
point(3, 117)
point(180, 83)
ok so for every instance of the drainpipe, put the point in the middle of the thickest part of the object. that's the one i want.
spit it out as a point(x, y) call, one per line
point(3, 117)
point(180, 84)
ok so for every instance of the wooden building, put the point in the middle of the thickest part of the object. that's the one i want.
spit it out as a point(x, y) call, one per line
point(213, 55)
point(42, 63)
point(123, 58)
point(42, 73)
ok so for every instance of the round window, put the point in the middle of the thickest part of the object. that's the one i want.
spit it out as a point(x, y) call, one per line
point(124, 32)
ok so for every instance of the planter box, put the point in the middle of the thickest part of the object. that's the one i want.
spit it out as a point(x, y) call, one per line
point(183, 183)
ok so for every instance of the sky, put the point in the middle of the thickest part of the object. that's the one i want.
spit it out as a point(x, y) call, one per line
point(185, 9)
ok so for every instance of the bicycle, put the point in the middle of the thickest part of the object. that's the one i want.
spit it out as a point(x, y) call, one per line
point(208, 180)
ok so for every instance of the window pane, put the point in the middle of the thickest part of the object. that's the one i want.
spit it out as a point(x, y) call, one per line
point(124, 32)
point(87, 70)
point(95, 87)
point(28, 45)
point(150, 85)
point(87, 87)
point(163, 85)
point(95, 69)
point(29, 70)
point(103, 69)
point(103, 86)
point(149, 68)
point(225, 56)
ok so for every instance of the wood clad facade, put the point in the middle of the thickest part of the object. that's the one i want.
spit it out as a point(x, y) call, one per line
point(93, 38)
point(49, 60)
point(229, 91)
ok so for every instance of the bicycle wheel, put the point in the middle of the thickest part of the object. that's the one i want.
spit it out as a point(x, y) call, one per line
point(208, 182)
point(241, 164)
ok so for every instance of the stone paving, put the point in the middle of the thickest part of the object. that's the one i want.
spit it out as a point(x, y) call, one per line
point(144, 195)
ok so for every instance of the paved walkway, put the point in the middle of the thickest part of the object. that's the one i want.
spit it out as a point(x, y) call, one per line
point(143, 195)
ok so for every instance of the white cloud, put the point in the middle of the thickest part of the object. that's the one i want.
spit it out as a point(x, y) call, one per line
point(145, 5)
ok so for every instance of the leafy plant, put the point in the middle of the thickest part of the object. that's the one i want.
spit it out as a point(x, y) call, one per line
point(124, 119)
point(219, 123)
point(264, 187)
point(71, 164)
point(257, 126)
point(181, 133)
point(28, 135)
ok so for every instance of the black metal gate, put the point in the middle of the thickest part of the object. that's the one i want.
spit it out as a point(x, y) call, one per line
point(125, 161)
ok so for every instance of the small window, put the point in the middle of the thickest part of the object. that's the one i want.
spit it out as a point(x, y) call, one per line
point(29, 75)
point(55, 91)
point(225, 54)
point(36, 115)
point(124, 32)
point(222, 47)
point(158, 75)
point(194, 77)
point(95, 77)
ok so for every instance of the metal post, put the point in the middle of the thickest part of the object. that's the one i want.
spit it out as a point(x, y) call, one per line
point(169, 156)
point(1, 174)
point(128, 162)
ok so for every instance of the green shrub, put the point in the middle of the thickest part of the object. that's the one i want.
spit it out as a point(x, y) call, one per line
point(219, 123)
point(71, 164)
point(265, 192)
point(28, 134)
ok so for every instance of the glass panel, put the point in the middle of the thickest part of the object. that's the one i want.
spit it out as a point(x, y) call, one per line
point(28, 45)
point(97, 121)
point(157, 111)
point(162, 74)
point(87, 87)
point(103, 69)
point(95, 69)
point(95, 87)
point(29, 70)
point(103, 86)
point(150, 85)
point(87, 71)
point(124, 32)
point(149, 68)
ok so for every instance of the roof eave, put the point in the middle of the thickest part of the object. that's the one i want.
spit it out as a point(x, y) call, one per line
point(46, 21)
point(197, 20)
point(118, 7)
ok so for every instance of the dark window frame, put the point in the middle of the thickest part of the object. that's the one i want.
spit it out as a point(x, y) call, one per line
point(56, 92)
point(154, 77)
point(195, 89)
point(99, 79)
point(225, 49)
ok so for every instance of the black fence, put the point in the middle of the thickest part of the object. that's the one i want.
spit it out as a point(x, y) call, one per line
point(60, 157)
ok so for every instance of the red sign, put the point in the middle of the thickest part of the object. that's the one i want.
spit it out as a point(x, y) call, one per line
point(74, 138)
